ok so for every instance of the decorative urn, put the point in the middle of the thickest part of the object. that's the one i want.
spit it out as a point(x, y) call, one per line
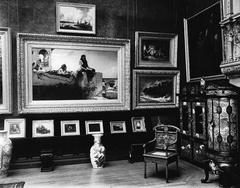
point(97, 152)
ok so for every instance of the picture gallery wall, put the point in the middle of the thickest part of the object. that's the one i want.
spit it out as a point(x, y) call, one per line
point(123, 45)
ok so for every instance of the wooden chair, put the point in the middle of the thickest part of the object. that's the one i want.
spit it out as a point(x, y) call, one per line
point(164, 148)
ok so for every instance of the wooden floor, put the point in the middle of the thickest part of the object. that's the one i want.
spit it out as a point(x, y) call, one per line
point(114, 174)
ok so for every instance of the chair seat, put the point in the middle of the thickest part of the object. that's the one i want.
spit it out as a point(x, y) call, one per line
point(160, 154)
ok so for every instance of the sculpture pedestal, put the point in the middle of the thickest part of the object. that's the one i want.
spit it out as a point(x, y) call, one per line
point(97, 152)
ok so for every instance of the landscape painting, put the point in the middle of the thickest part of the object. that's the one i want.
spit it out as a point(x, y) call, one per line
point(76, 18)
point(72, 74)
point(155, 88)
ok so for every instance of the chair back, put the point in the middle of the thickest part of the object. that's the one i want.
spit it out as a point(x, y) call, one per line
point(166, 135)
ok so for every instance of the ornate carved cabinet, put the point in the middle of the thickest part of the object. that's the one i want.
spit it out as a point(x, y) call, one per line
point(193, 123)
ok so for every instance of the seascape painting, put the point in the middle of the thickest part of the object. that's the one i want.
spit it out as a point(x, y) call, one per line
point(76, 18)
point(74, 74)
point(155, 88)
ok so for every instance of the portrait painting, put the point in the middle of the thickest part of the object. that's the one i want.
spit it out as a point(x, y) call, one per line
point(203, 44)
point(155, 49)
point(42, 128)
point(94, 127)
point(72, 74)
point(70, 128)
point(16, 127)
point(117, 127)
point(76, 18)
point(138, 124)
point(155, 88)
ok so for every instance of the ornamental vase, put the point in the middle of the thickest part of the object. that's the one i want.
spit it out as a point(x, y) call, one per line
point(97, 152)
point(5, 153)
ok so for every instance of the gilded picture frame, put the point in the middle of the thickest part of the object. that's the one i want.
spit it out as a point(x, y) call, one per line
point(117, 127)
point(154, 49)
point(52, 77)
point(42, 128)
point(6, 71)
point(138, 124)
point(155, 89)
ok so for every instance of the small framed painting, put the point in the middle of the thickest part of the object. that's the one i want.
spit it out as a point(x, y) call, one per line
point(94, 127)
point(16, 127)
point(70, 128)
point(42, 128)
point(118, 127)
point(76, 18)
point(138, 124)
point(155, 49)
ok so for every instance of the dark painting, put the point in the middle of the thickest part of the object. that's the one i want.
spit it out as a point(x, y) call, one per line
point(204, 41)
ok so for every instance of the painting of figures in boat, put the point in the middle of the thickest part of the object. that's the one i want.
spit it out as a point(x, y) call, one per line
point(72, 74)
point(155, 88)
point(76, 18)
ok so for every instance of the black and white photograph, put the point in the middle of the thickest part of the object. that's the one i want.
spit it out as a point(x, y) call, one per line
point(120, 93)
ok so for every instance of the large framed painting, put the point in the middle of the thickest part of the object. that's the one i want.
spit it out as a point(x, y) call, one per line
point(76, 18)
point(5, 71)
point(72, 74)
point(203, 44)
point(155, 88)
point(155, 49)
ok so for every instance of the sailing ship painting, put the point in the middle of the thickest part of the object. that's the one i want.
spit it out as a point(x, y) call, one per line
point(76, 18)
point(74, 74)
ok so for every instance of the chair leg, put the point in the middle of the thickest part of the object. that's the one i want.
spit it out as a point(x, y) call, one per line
point(156, 166)
point(166, 172)
point(145, 169)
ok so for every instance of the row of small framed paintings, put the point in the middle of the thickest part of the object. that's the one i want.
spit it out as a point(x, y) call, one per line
point(16, 128)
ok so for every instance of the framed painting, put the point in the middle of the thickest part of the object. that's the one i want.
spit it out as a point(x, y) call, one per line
point(138, 124)
point(42, 128)
point(16, 127)
point(94, 127)
point(155, 88)
point(117, 127)
point(72, 74)
point(76, 18)
point(5, 71)
point(70, 128)
point(155, 49)
point(203, 44)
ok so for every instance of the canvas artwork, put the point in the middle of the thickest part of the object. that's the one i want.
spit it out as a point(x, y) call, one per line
point(76, 18)
point(155, 49)
point(155, 88)
point(42, 128)
point(203, 44)
point(5, 71)
point(72, 74)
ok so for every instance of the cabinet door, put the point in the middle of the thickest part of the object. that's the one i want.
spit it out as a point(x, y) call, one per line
point(199, 119)
point(186, 149)
point(199, 151)
point(185, 118)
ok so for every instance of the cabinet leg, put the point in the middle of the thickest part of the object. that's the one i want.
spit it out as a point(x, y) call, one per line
point(145, 169)
point(156, 166)
point(206, 171)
